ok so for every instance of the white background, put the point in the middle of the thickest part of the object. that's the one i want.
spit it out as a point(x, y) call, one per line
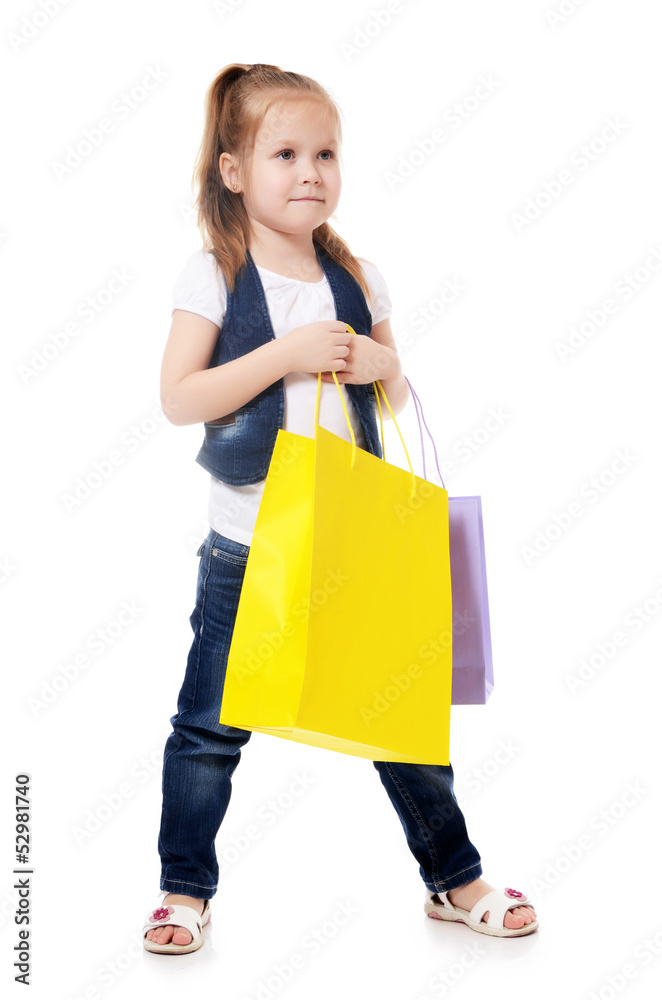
point(575, 750)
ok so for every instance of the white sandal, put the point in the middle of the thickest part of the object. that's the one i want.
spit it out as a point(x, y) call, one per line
point(180, 916)
point(497, 901)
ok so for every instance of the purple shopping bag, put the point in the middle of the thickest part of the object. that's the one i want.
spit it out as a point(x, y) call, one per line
point(473, 677)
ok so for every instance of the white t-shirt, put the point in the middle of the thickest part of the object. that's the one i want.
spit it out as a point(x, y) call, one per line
point(201, 289)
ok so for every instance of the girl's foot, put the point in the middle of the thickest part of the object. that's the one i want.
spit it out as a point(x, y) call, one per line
point(170, 932)
point(468, 895)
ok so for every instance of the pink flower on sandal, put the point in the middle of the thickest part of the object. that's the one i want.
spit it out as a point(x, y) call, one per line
point(513, 893)
point(161, 913)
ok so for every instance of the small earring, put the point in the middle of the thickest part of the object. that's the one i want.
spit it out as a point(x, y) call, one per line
point(234, 187)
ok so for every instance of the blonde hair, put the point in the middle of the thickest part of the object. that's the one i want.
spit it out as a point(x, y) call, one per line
point(235, 106)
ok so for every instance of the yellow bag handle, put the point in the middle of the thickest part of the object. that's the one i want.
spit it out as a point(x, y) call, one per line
point(381, 423)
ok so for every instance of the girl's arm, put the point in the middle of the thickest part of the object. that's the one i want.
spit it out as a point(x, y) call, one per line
point(190, 392)
point(393, 381)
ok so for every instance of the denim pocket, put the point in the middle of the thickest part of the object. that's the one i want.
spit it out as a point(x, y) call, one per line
point(230, 419)
point(230, 551)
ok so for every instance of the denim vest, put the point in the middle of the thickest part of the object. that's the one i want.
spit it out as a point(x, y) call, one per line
point(237, 448)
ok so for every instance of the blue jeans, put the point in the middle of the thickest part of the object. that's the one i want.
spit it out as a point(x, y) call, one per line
point(201, 755)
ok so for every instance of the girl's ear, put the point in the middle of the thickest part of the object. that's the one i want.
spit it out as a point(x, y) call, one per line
point(229, 172)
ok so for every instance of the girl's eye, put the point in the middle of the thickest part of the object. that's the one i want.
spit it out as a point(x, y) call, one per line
point(288, 153)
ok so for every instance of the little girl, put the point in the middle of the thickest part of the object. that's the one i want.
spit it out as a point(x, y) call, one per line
point(255, 318)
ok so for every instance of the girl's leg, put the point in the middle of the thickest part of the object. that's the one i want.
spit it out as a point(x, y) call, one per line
point(200, 754)
point(423, 797)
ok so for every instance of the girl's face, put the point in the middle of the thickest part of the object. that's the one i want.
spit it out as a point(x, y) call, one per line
point(294, 172)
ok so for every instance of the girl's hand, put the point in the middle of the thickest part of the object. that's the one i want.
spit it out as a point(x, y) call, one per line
point(317, 347)
point(366, 361)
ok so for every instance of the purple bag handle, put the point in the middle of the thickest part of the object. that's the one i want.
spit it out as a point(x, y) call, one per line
point(418, 403)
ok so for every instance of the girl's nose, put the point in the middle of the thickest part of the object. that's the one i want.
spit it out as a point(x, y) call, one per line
point(309, 172)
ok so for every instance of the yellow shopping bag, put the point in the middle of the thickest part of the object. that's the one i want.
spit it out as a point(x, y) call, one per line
point(343, 633)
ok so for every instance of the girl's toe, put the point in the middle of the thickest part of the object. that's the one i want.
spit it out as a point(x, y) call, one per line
point(181, 936)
